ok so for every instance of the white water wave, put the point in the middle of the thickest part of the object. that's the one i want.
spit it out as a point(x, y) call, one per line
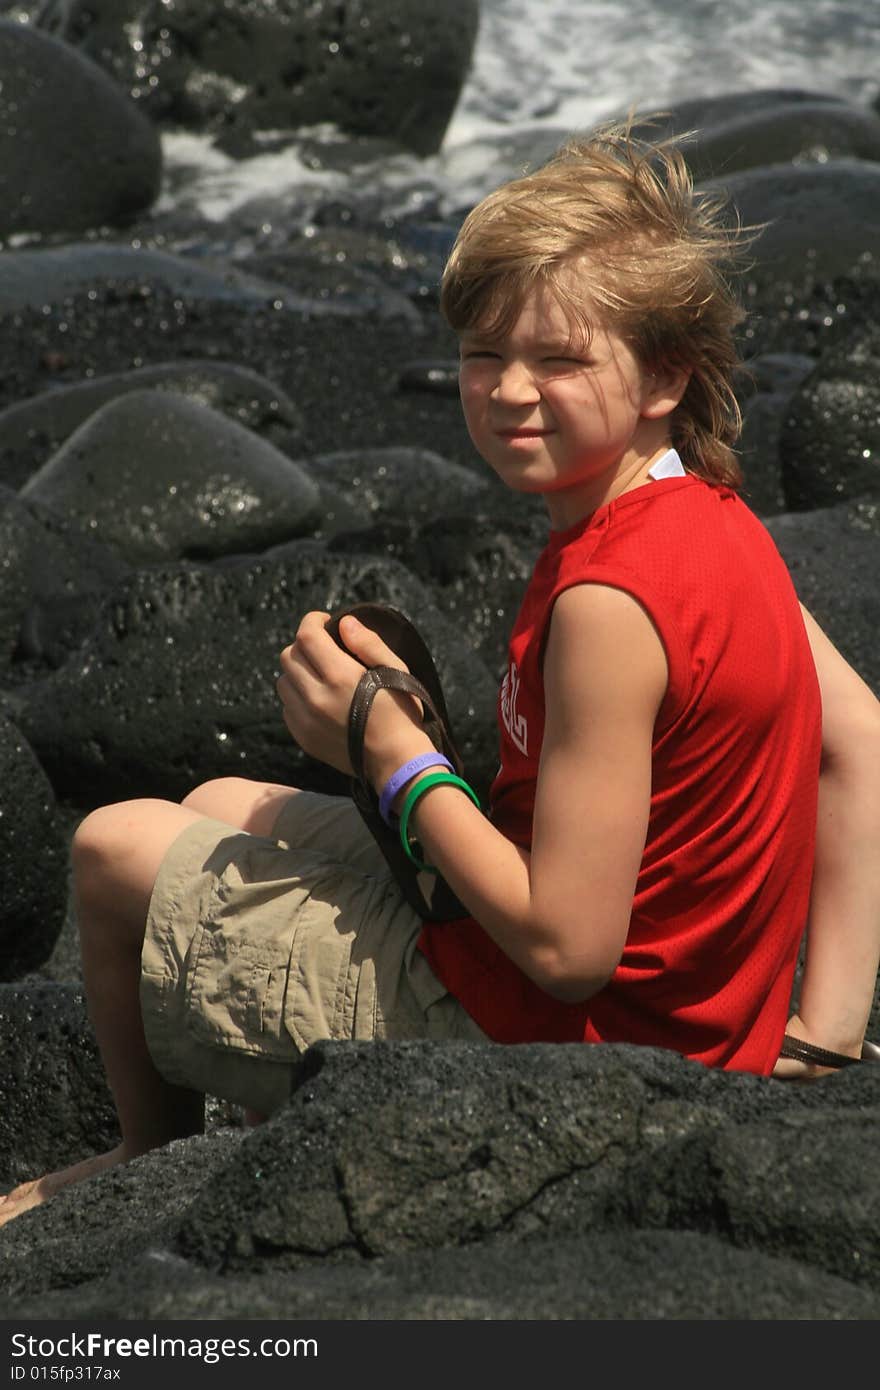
point(545, 67)
point(574, 62)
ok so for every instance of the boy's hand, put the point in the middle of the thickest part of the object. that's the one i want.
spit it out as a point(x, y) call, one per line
point(315, 686)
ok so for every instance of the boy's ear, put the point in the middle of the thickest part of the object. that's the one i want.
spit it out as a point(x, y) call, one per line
point(665, 387)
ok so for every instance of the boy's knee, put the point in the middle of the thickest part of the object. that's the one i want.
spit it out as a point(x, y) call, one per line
point(207, 796)
point(103, 837)
point(92, 836)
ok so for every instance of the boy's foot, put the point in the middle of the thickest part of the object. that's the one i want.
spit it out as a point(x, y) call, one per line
point(39, 1190)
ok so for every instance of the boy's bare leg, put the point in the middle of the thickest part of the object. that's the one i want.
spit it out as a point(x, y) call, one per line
point(251, 806)
point(116, 855)
point(117, 851)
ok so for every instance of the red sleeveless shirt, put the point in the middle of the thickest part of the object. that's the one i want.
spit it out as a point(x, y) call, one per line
point(723, 889)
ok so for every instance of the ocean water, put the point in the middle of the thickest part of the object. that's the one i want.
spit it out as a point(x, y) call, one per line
point(540, 68)
point(572, 62)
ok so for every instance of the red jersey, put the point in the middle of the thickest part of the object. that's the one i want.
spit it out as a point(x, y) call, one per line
point(722, 892)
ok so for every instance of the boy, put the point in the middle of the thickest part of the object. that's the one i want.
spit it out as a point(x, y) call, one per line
point(645, 870)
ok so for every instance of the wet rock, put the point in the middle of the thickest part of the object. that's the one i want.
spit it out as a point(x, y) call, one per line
point(52, 581)
point(32, 430)
point(775, 379)
point(33, 858)
point(809, 276)
point(343, 382)
point(830, 439)
point(362, 246)
point(796, 312)
point(159, 477)
point(176, 684)
point(339, 287)
point(14, 589)
point(392, 68)
point(746, 130)
point(700, 113)
point(74, 150)
point(798, 209)
point(51, 1069)
point(776, 374)
point(132, 274)
point(834, 558)
point(476, 565)
point(440, 378)
point(410, 484)
point(809, 133)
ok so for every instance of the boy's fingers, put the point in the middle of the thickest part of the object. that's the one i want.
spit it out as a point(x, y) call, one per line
point(308, 650)
point(312, 622)
point(367, 645)
point(310, 632)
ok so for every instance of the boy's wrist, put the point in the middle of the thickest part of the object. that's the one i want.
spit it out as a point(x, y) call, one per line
point(401, 781)
point(842, 1039)
point(381, 765)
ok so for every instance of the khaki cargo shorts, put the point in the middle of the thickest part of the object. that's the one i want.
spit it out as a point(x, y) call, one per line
point(256, 948)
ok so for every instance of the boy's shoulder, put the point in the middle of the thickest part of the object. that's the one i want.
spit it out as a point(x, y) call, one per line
point(675, 532)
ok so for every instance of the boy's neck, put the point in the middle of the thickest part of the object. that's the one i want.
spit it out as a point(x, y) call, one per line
point(567, 508)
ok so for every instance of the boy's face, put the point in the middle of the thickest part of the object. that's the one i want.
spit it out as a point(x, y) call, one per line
point(577, 425)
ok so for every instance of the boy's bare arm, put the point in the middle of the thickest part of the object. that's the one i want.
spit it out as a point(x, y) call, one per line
point(562, 912)
point(843, 933)
point(605, 676)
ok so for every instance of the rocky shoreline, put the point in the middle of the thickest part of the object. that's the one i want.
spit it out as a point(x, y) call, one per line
point(194, 451)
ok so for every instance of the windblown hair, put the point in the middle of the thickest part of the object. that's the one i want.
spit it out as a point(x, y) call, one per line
point(614, 227)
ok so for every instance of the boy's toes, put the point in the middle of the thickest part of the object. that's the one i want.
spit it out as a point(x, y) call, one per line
point(20, 1199)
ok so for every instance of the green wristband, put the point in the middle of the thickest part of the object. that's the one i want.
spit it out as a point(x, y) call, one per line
point(424, 785)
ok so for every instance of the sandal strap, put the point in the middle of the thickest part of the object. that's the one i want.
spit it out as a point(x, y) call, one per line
point(801, 1051)
point(377, 678)
point(428, 894)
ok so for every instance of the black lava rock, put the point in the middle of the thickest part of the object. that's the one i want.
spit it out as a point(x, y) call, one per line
point(382, 67)
point(159, 477)
point(53, 578)
point(833, 555)
point(830, 439)
point(176, 684)
point(32, 430)
point(33, 858)
point(744, 130)
point(423, 1180)
point(75, 152)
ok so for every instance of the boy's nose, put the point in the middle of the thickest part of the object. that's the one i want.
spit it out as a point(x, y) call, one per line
point(515, 385)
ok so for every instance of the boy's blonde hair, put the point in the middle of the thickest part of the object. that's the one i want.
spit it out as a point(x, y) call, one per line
point(650, 257)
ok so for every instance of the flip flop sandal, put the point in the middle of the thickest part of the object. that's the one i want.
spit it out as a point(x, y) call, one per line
point(427, 893)
point(806, 1052)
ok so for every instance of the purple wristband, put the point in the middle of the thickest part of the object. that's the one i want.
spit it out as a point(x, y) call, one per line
point(403, 774)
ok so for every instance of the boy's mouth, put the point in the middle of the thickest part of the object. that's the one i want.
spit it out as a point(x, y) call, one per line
point(523, 433)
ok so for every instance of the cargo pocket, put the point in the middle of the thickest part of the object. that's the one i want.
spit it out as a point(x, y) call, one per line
point(331, 983)
point(236, 994)
point(347, 957)
point(397, 1011)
